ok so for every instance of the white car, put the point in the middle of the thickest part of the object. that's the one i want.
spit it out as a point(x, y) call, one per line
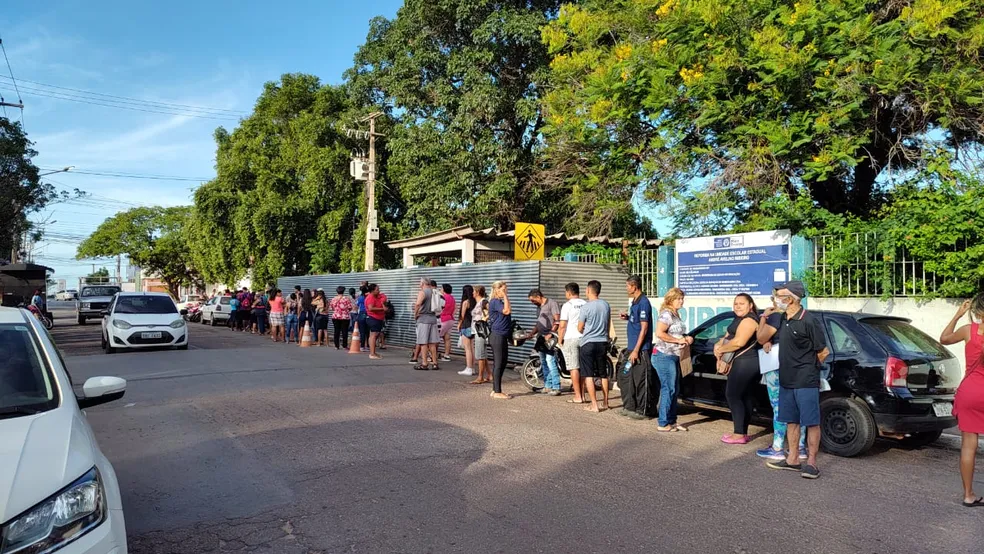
point(143, 320)
point(188, 301)
point(58, 492)
point(66, 295)
point(217, 310)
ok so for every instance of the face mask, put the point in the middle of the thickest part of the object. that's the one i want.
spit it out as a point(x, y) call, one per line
point(782, 306)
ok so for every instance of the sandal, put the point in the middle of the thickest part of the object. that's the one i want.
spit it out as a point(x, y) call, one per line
point(477, 382)
point(419, 367)
point(572, 401)
point(667, 429)
point(975, 504)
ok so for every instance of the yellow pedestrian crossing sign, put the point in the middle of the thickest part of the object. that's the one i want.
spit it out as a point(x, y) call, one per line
point(529, 243)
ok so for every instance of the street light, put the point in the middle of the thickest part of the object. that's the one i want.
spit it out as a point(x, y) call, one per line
point(62, 170)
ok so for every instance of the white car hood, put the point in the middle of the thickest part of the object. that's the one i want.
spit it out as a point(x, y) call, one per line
point(159, 320)
point(39, 455)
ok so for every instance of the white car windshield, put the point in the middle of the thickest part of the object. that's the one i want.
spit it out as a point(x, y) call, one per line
point(145, 305)
point(99, 291)
point(26, 383)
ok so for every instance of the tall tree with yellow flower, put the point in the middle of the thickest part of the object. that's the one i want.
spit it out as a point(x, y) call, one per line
point(714, 106)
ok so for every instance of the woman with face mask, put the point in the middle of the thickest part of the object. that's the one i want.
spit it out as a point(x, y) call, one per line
point(742, 369)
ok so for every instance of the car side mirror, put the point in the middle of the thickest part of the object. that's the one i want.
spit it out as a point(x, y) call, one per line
point(104, 313)
point(100, 390)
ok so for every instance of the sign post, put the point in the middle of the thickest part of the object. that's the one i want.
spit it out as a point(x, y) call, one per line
point(529, 242)
point(726, 265)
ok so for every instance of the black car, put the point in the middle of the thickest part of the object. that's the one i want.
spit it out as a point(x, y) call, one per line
point(886, 378)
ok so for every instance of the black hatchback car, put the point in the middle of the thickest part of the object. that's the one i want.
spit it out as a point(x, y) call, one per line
point(886, 378)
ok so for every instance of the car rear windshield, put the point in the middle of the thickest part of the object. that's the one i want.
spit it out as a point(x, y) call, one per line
point(901, 338)
point(26, 383)
point(99, 291)
point(225, 300)
point(145, 305)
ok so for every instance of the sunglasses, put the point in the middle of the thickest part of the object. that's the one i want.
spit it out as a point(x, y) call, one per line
point(782, 297)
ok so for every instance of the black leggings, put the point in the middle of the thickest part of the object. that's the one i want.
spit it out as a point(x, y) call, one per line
point(500, 355)
point(740, 390)
point(341, 332)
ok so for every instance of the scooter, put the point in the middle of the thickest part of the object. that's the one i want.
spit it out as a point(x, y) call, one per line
point(194, 314)
point(533, 376)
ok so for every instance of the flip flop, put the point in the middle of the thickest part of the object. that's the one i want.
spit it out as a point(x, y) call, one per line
point(975, 504)
point(667, 429)
point(572, 401)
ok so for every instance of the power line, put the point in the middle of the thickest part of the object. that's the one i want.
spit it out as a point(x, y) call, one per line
point(138, 100)
point(106, 104)
point(123, 175)
point(12, 80)
point(131, 102)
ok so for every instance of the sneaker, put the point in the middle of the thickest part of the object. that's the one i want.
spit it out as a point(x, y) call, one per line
point(363, 349)
point(446, 358)
point(413, 361)
point(635, 415)
point(467, 371)
point(554, 393)
point(771, 454)
point(803, 454)
point(810, 472)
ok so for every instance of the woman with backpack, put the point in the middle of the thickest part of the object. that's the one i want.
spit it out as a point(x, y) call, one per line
point(341, 308)
point(260, 307)
point(480, 334)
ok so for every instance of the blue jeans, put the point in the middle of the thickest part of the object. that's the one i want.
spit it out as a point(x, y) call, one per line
point(551, 373)
point(667, 368)
point(290, 326)
point(778, 427)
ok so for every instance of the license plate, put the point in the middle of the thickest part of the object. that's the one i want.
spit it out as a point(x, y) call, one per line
point(156, 335)
point(943, 409)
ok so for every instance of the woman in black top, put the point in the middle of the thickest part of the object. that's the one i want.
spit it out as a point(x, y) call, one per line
point(465, 329)
point(742, 343)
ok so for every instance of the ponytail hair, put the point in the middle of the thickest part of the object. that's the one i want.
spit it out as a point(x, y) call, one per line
point(754, 309)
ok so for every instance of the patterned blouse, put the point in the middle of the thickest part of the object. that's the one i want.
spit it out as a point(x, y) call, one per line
point(674, 327)
point(341, 307)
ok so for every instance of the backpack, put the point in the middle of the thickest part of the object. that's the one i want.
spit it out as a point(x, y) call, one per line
point(436, 302)
point(390, 310)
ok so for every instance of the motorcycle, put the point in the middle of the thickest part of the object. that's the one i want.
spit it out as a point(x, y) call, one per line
point(532, 375)
point(42, 317)
point(194, 314)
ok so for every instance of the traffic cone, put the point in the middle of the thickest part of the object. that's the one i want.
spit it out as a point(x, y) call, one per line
point(306, 335)
point(355, 346)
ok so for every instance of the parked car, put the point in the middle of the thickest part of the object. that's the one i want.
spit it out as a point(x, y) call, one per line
point(93, 301)
point(65, 295)
point(58, 492)
point(188, 300)
point(216, 310)
point(886, 378)
point(142, 320)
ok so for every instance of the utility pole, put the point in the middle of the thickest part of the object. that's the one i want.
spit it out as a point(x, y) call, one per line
point(372, 221)
point(118, 280)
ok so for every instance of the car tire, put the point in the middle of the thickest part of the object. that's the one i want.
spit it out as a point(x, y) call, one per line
point(183, 346)
point(211, 322)
point(107, 347)
point(918, 440)
point(847, 426)
point(81, 320)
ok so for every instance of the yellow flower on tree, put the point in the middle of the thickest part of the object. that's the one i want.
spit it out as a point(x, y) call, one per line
point(692, 76)
point(666, 8)
point(623, 52)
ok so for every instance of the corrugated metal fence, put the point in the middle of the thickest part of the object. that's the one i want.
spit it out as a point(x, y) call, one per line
point(401, 287)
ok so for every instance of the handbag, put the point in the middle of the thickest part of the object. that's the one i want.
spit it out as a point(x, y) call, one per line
point(483, 329)
point(686, 362)
point(727, 359)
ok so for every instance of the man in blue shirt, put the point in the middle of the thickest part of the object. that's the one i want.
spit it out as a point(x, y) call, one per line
point(636, 380)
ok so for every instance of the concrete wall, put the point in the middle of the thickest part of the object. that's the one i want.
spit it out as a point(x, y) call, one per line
point(930, 316)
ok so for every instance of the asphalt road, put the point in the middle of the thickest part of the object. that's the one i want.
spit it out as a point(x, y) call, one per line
point(239, 444)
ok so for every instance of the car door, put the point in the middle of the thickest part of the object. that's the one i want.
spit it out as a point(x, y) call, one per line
point(841, 368)
point(108, 313)
point(705, 385)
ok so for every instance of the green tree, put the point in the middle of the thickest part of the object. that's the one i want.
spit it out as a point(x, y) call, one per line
point(101, 274)
point(153, 238)
point(715, 106)
point(460, 78)
point(21, 190)
point(283, 202)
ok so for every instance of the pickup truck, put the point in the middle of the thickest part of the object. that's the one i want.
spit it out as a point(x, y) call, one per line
point(92, 300)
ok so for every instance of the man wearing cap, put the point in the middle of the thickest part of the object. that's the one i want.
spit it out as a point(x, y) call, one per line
point(802, 350)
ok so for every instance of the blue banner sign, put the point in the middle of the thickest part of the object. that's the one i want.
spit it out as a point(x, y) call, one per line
point(752, 263)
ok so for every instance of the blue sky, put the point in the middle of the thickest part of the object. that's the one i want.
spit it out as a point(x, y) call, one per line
point(211, 53)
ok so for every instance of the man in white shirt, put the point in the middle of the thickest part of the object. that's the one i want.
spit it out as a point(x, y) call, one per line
point(570, 336)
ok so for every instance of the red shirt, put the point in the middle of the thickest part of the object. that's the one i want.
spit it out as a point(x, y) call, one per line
point(375, 302)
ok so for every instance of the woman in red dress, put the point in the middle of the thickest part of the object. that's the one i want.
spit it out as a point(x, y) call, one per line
point(968, 405)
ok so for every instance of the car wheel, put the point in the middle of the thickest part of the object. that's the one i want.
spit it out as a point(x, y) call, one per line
point(532, 377)
point(847, 426)
point(107, 346)
point(212, 321)
point(917, 440)
point(183, 346)
point(81, 320)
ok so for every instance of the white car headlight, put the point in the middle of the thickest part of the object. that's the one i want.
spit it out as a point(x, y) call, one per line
point(119, 324)
point(86, 305)
point(177, 323)
point(59, 520)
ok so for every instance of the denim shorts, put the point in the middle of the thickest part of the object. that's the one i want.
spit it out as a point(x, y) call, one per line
point(799, 406)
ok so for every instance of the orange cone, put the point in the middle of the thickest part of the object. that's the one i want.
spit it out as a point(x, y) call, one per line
point(306, 335)
point(356, 344)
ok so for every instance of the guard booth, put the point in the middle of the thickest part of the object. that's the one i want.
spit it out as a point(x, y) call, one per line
point(19, 281)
